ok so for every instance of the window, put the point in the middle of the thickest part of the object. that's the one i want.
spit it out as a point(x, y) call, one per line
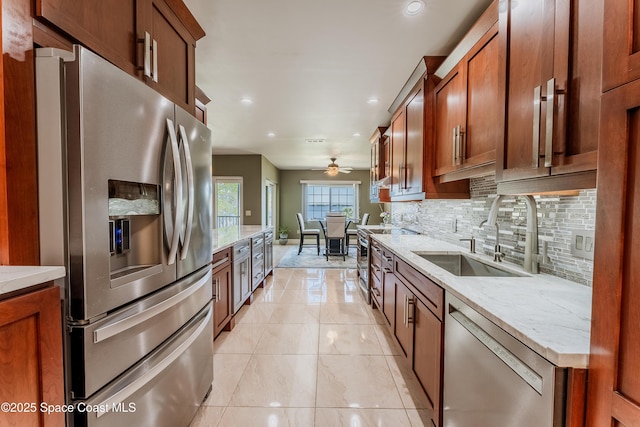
point(227, 206)
point(320, 197)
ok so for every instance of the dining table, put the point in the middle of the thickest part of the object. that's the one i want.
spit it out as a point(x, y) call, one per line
point(334, 245)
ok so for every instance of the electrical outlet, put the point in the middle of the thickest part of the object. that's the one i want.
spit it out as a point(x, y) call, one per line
point(582, 243)
point(454, 226)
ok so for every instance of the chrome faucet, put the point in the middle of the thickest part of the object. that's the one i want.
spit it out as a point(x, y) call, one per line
point(492, 220)
point(531, 256)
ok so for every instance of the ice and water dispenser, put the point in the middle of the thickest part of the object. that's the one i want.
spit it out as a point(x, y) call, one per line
point(135, 231)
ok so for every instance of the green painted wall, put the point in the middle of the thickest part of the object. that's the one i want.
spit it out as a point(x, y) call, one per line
point(249, 167)
point(291, 195)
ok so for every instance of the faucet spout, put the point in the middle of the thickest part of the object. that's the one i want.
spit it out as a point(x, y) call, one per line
point(531, 255)
point(492, 220)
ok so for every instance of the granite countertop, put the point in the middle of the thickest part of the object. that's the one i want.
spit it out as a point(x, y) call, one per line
point(16, 278)
point(228, 236)
point(550, 315)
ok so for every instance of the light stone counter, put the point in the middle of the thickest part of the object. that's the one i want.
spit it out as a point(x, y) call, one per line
point(228, 236)
point(16, 278)
point(550, 315)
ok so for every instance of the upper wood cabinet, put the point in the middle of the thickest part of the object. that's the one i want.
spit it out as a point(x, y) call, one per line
point(553, 87)
point(469, 110)
point(621, 56)
point(379, 191)
point(151, 39)
point(412, 129)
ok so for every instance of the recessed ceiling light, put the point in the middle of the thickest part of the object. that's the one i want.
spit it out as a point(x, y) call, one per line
point(246, 100)
point(271, 134)
point(414, 7)
point(373, 101)
point(357, 134)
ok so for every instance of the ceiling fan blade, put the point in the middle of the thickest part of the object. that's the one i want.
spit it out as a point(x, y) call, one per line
point(344, 170)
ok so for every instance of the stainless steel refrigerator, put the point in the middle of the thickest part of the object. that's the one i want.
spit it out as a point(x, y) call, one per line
point(125, 203)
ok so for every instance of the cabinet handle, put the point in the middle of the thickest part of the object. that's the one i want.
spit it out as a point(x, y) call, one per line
point(535, 154)
point(147, 54)
point(388, 258)
point(387, 270)
point(219, 263)
point(405, 312)
point(454, 146)
point(462, 145)
point(551, 104)
point(155, 61)
point(410, 304)
point(217, 287)
point(403, 173)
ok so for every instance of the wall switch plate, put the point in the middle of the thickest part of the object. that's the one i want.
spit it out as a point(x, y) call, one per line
point(247, 213)
point(454, 225)
point(582, 243)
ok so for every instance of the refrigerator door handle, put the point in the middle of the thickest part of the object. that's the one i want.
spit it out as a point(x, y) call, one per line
point(190, 190)
point(120, 396)
point(122, 325)
point(176, 212)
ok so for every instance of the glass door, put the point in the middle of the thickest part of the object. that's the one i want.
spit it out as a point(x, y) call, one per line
point(270, 204)
point(227, 201)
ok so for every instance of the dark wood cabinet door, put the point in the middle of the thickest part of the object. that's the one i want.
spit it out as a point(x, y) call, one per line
point(621, 57)
point(614, 384)
point(388, 298)
point(450, 97)
point(175, 55)
point(222, 303)
point(427, 356)
point(403, 328)
point(31, 357)
point(107, 27)
point(414, 141)
point(553, 89)
point(526, 38)
point(485, 109)
point(398, 132)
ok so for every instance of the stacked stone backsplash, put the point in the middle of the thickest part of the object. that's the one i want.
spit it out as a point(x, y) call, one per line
point(558, 217)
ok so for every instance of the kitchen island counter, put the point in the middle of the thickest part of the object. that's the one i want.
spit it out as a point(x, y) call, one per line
point(550, 315)
point(228, 236)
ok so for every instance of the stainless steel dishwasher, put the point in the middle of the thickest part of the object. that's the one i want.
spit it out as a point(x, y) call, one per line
point(492, 380)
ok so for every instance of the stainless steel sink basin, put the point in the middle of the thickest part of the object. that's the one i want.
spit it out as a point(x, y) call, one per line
point(462, 265)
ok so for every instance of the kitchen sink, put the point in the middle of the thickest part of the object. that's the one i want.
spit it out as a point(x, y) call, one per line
point(462, 265)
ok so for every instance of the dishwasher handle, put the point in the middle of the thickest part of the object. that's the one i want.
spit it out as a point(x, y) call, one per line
point(511, 360)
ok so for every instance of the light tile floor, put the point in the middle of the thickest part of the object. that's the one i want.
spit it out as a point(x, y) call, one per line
point(309, 352)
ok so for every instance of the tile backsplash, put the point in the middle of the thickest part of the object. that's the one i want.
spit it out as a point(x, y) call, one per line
point(558, 218)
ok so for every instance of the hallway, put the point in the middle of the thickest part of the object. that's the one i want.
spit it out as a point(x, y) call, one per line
point(309, 352)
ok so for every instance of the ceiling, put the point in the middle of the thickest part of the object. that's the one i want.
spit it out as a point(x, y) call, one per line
point(310, 68)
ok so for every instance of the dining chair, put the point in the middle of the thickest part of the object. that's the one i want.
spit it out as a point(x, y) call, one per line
point(335, 237)
point(353, 232)
point(311, 232)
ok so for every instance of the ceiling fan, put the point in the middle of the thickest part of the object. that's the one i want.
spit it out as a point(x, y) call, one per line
point(333, 168)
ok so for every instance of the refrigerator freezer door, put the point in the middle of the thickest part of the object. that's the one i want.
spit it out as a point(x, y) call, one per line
point(163, 390)
point(109, 346)
point(197, 238)
point(116, 130)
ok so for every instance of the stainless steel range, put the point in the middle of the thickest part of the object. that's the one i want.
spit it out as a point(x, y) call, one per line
point(125, 193)
point(363, 254)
